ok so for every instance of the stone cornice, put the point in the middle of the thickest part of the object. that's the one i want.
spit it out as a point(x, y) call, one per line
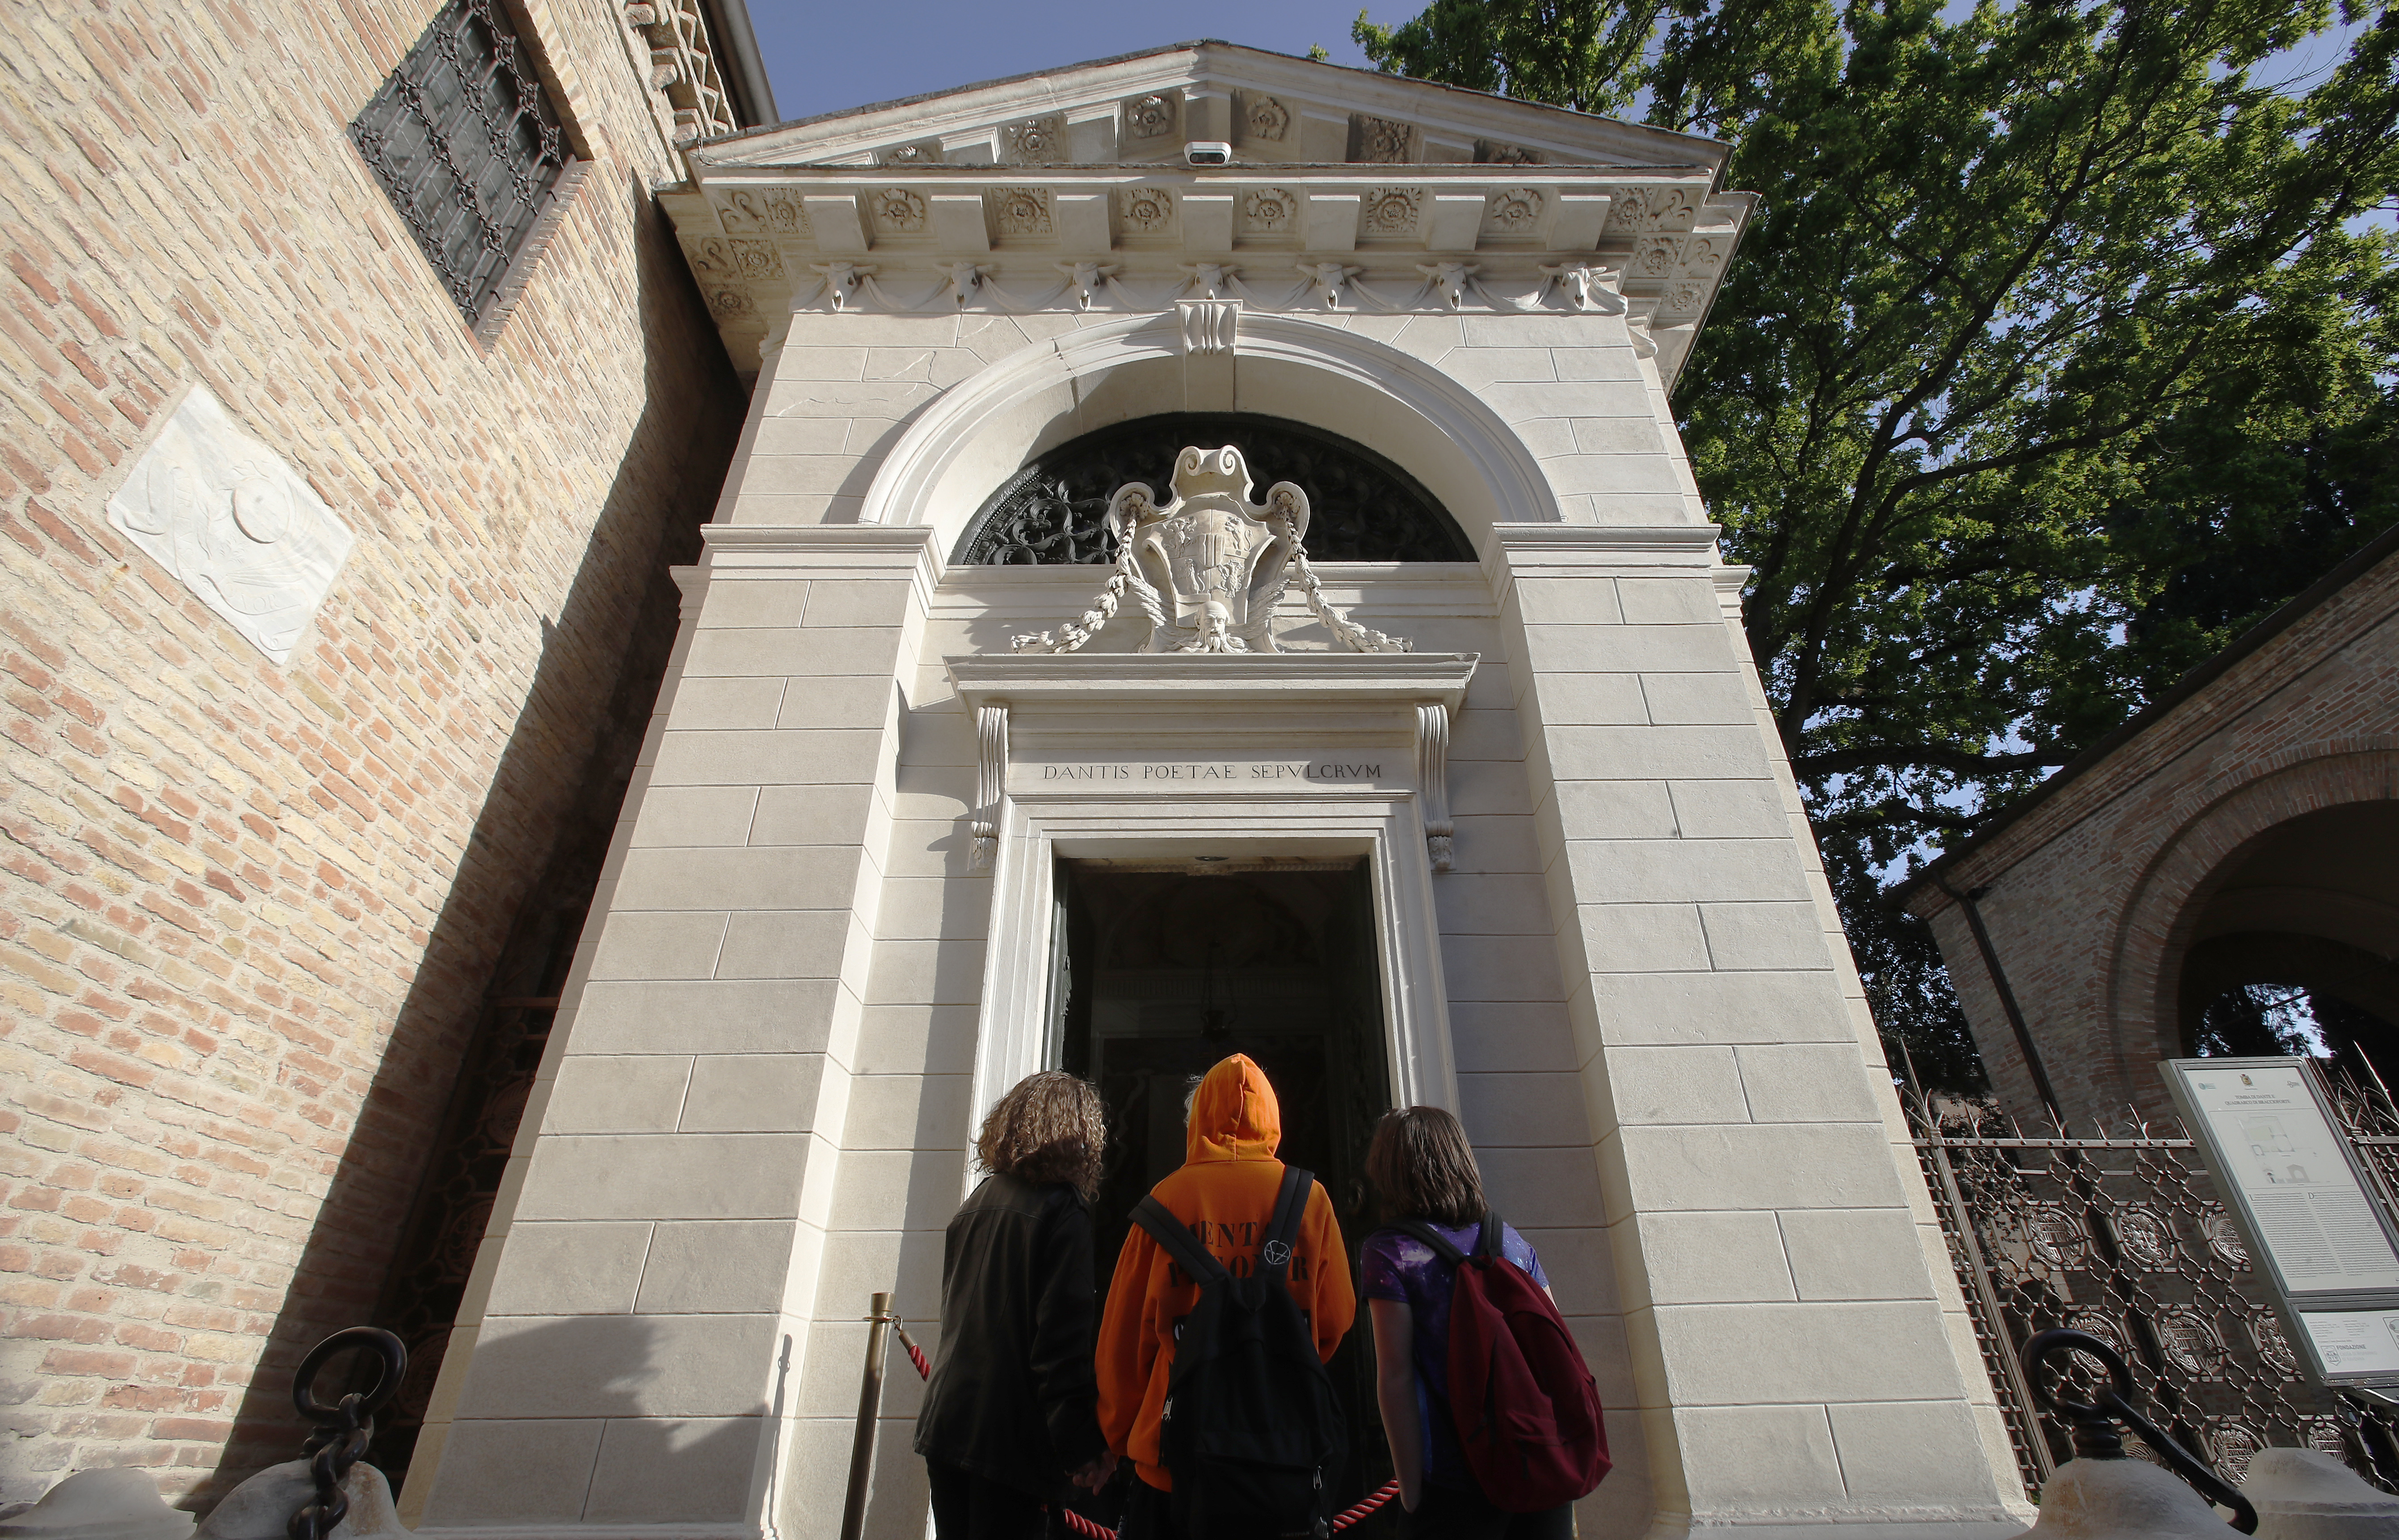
point(765, 241)
point(1100, 105)
point(1192, 178)
point(1084, 168)
point(883, 544)
point(1598, 550)
point(1569, 551)
point(1661, 227)
point(741, 552)
point(1078, 683)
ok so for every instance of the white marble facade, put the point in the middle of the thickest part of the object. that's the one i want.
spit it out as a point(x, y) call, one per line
point(800, 988)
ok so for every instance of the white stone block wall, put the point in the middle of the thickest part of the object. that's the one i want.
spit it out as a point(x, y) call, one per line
point(1790, 1344)
point(1661, 1051)
point(658, 1258)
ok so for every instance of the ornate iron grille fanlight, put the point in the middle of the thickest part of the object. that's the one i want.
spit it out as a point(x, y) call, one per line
point(467, 147)
point(1364, 509)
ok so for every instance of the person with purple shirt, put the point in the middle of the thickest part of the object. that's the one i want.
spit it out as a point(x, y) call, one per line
point(1422, 1170)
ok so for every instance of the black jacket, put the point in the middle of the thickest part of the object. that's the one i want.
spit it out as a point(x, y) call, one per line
point(1013, 1397)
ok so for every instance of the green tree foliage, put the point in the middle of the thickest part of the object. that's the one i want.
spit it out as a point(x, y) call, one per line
point(2265, 1019)
point(2060, 352)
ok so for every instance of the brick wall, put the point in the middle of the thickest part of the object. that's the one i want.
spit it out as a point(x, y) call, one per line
point(2092, 892)
point(246, 911)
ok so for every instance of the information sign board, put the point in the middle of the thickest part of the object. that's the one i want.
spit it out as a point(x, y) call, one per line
point(2316, 1231)
point(2355, 1346)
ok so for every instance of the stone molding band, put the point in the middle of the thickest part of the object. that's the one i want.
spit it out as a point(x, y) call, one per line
point(1563, 289)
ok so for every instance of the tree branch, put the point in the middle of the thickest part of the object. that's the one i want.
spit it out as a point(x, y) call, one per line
point(1921, 756)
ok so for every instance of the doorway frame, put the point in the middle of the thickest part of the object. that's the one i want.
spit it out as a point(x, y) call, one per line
point(1031, 708)
point(1037, 830)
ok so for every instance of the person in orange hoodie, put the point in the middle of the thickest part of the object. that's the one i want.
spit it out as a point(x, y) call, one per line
point(1224, 1193)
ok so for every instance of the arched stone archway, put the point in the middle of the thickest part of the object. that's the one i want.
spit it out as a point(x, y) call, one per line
point(2221, 873)
point(947, 461)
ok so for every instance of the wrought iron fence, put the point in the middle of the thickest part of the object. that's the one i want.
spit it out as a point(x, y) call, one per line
point(2121, 1233)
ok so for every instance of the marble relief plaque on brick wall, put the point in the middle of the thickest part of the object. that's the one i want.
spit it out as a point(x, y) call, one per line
point(239, 527)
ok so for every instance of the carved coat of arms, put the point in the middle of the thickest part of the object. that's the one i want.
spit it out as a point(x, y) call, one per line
point(1208, 569)
point(1222, 561)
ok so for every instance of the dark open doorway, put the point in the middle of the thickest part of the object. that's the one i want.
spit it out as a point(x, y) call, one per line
point(1165, 967)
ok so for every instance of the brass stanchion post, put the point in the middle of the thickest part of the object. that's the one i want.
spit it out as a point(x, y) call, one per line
point(870, 1404)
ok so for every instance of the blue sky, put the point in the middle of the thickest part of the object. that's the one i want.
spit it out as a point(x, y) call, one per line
point(824, 58)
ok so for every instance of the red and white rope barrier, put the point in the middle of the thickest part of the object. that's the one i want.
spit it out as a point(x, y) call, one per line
point(1351, 1516)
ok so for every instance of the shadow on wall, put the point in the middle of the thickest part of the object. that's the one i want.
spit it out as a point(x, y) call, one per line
point(576, 1442)
point(526, 876)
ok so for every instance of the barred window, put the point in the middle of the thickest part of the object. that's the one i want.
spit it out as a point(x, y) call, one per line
point(1054, 511)
point(467, 145)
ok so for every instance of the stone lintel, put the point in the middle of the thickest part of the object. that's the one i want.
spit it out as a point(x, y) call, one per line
point(1305, 681)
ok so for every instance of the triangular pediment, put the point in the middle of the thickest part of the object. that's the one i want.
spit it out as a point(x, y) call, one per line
point(1142, 109)
point(1343, 187)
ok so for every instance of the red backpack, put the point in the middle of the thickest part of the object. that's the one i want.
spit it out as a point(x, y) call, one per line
point(1525, 1404)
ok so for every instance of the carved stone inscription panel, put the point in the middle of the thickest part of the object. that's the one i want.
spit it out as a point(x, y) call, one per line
point(1348, 768)
point(239, 527)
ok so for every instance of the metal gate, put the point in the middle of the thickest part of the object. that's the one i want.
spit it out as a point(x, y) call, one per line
point(2122, 1236)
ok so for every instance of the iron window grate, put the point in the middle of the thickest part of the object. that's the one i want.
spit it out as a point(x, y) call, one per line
point(1364, 509)
point(468, 147)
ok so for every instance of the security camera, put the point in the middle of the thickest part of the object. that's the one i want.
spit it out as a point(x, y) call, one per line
point(1208, 151)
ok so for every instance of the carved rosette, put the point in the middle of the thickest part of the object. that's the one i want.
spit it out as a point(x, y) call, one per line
point(897, 211)
point(1035, 142)
point(1265, 118)
point(1633, 209)
point(1020, 210)
point(1149, 116)
point(1491, 152)
point(769, 211)
point(1268, 211)
point(726, 267)
point(1393, 210)
point(1381, 141)
point(1145, 210)
point(1513, 211)
point(1653, 256)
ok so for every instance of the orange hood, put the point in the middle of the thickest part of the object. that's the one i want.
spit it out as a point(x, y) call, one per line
point(1234, 1115)
point(1224, 1194)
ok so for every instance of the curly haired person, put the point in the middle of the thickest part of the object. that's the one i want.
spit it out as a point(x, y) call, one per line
point(1010, 1416)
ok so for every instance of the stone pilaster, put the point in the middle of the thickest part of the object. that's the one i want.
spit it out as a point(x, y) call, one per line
point(1792, 1351)
point(649, 1316)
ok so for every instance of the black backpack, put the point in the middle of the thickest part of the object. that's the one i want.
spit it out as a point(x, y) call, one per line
point(1251, 1432)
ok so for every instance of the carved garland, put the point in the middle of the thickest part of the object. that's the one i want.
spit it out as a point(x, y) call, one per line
point(1209, 567)
point(1074, 633)
point(1588, 286)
